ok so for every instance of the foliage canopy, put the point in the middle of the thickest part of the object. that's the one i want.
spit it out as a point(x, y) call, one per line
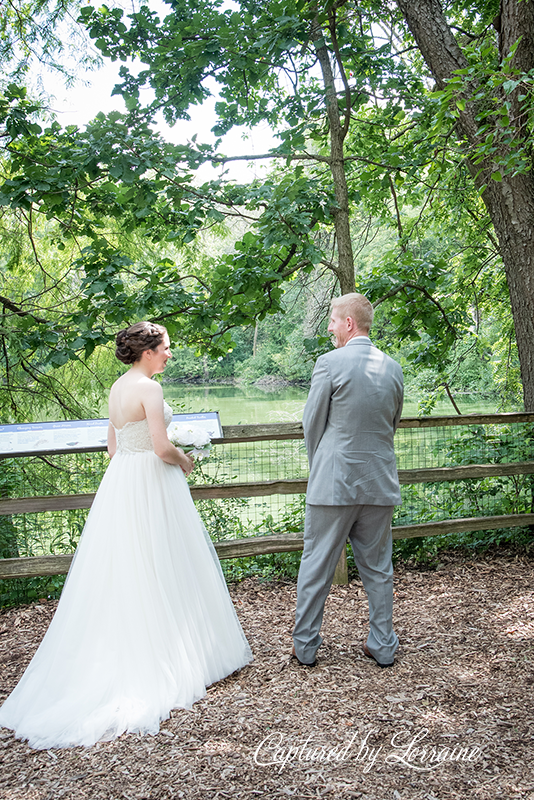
point(372, 127)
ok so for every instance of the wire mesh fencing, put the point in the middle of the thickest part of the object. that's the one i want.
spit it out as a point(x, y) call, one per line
point(257, 462)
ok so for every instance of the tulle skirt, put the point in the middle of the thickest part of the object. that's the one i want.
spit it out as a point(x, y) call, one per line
point(145, 622)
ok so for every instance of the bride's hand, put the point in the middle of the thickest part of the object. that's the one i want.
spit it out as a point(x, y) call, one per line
point(186, 462)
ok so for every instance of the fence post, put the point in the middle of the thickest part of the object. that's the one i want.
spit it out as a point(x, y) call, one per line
point(341, 575)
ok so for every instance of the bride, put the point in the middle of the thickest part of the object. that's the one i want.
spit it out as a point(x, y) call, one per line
point(145, 622)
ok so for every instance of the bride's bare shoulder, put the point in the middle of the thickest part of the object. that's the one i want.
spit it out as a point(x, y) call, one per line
point(149, 387)
point(132, 381)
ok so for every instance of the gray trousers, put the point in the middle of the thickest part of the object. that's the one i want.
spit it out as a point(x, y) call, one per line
point(325, 534)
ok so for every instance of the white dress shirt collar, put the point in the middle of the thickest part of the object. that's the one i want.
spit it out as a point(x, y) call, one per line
point(359, 340)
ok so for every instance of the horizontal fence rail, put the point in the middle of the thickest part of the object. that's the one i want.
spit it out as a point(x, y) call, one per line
point(293, 430)
point(67, 502)
point(33, 566)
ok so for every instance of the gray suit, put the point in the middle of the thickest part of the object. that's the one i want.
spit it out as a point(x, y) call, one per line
point(351, 414)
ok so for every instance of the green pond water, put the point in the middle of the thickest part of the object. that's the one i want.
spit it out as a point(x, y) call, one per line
point(239, 405)
point(261, 461)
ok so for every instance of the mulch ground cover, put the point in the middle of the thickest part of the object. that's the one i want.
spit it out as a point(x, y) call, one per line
point(454, 718)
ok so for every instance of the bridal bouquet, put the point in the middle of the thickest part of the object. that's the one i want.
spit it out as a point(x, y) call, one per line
point(192, 439)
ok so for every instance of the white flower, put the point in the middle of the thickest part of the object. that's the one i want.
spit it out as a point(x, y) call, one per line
point(192, 439)
point(183, 435)
point(201, 438)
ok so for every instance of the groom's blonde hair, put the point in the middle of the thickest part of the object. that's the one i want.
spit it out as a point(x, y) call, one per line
point(357, 307)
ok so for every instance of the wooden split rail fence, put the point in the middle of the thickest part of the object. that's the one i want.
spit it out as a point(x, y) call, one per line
point(283, 543)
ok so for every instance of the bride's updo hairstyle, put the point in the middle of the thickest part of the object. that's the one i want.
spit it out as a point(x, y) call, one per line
point(133, 341)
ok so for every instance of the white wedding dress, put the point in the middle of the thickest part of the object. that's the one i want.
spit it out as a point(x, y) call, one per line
point(145, 621)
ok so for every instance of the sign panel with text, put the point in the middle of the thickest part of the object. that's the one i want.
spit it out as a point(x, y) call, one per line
point(79, 435)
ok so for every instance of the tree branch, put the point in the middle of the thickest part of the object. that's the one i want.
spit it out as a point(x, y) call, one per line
point(19, 311)
point(423, 290)
point(397, 211)
point(339, 60)
point(451, 398)
point(292, 156)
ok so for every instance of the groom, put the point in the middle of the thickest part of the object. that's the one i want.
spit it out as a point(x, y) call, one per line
point(351, 414)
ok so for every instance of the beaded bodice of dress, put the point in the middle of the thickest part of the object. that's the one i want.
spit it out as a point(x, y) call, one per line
point(134, 437)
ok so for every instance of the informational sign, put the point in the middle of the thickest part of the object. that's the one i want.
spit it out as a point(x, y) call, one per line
point(81, 435)
point(209, 421)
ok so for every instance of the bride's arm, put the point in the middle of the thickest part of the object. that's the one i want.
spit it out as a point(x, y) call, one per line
point(152, 401)
point(112, 441)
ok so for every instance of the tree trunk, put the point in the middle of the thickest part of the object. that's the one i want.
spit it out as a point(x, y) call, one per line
point(510, 201)
point(255, 342)
point(345, 270)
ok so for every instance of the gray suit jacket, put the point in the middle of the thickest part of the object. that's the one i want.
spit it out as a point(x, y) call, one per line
point(351, 414)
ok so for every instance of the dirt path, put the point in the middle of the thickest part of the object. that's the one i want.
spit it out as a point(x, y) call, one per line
point(454, 718)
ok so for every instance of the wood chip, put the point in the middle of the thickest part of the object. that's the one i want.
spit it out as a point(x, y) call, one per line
point(463, 679)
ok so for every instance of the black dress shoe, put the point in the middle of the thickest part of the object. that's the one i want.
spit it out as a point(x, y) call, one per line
point(302, 663)
point(368, 653)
